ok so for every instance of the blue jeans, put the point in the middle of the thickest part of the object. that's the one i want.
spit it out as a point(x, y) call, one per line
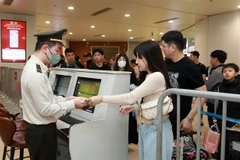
point(148, 139)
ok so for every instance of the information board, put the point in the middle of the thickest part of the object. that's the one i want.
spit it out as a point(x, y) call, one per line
point(13, 41)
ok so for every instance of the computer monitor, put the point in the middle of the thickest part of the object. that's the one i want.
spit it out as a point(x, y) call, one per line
point(87, 87)
point(61, 80)
point(61, 85)
point(88, 83)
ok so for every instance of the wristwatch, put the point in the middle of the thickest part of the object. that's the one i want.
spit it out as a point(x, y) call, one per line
point(189, 118)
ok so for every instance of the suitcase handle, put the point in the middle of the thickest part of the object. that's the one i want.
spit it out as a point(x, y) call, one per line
point(186, 133)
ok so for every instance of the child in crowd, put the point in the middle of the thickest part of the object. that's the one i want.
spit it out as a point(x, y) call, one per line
point(230, 84)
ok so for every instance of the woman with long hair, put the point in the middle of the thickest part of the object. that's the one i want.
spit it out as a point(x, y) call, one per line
point(150, 61)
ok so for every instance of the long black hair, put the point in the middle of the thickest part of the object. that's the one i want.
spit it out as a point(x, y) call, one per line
point(151, 51)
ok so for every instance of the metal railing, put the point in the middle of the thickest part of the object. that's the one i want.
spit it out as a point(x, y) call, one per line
point(225, 97)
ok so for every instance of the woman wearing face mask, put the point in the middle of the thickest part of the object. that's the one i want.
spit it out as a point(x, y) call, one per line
point(122, 64)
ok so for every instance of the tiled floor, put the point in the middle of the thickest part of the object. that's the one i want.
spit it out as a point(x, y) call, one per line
point(132, 152)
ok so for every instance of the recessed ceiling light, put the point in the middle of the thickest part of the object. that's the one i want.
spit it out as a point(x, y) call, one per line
point(103, 35)
point(48, 22)
point(238, 6)
point(70, 33)
point(127, 15)
point(84, 40)
point(131, 37)
point(71, 8)
point(161, 33)
point(171, 21)
point(92, 26)
point(129, 30)
point(152, 39)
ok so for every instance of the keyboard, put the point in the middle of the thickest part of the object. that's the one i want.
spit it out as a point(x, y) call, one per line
point(70, 120)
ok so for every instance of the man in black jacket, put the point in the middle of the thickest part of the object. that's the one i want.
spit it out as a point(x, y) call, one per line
point(70, 56)
point(98, 56)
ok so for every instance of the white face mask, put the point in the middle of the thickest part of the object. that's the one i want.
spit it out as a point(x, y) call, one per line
point(121, 64)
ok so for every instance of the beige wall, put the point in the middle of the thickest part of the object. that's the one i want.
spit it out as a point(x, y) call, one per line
point(201, 40)
point(219, 32)
point(31, 41)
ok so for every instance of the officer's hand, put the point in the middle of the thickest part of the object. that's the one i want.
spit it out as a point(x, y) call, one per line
point(126, 109)
point(94, 100)
point(70, 98)
point(80, 102)
point(186, 125)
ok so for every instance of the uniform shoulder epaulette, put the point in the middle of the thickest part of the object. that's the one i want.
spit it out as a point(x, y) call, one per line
point(39, 69)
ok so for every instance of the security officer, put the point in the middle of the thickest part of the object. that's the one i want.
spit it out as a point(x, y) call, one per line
point(40, 107)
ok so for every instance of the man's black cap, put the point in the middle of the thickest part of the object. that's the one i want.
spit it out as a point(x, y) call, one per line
point(55, 36)
point(87, 55)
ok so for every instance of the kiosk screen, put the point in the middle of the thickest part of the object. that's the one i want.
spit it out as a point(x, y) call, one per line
point(87, 87)
point(62, 84)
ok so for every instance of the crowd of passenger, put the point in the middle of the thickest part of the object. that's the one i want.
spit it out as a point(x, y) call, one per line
point(175, 70)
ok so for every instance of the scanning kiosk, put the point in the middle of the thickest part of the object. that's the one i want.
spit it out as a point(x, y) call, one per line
point(96, 132)
point(60, 79)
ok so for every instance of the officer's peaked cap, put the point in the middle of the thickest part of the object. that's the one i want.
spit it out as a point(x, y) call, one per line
point(55, 36)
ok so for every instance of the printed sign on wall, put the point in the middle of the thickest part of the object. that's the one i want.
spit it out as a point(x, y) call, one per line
point(13, 40)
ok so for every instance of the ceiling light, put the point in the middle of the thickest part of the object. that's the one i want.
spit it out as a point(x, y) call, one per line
point(161, 33)
point(131, 37)
point(48, 22)
point(127, 15)
point(70, 33)
point(152, 39)
point(84, 40)
point(103, 35)
point(71, 8)
point(129, 30)
point(238, 6)
point(171, 21)
point(92, 26)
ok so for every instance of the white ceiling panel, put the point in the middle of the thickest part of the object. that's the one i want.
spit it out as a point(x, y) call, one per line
point(113, 23)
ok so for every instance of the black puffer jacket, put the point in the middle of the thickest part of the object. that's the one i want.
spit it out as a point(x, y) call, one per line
point(233, 108)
